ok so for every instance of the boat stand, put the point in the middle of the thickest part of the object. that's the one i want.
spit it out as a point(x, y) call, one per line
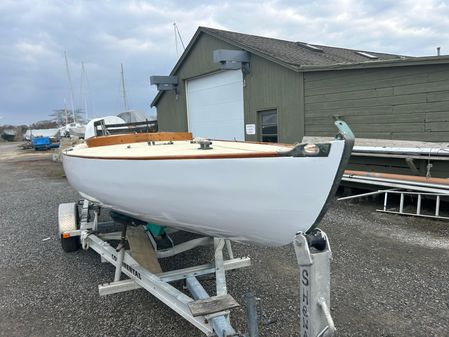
point(209, 314)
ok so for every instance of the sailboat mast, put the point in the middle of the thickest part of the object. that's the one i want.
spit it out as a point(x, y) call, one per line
point(66, 115)
point(178, 34)
point(70, 85)
point(125, 100)
point(176, 39)
point(83, 90)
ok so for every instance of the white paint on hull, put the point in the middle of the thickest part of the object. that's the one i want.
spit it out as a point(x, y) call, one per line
point(262, 200)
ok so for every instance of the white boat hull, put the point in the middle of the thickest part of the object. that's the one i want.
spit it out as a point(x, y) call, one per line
point(263, 200)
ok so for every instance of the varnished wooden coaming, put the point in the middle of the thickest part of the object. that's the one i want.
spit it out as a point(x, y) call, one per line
point(137, 138)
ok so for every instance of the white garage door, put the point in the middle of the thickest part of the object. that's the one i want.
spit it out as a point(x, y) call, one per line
point(215, 106)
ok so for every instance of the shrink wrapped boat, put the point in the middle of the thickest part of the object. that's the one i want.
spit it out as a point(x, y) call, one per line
point(51, 133)
point(258, 192)
point(9, 134)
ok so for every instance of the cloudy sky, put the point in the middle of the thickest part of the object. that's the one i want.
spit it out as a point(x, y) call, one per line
point(139, 34)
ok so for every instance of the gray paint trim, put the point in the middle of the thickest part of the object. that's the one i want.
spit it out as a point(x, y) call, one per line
point(416, 61)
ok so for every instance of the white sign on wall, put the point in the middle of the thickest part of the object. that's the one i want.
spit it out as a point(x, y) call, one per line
point(250, 129)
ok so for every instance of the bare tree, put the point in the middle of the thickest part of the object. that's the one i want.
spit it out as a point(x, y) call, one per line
point(60, 116)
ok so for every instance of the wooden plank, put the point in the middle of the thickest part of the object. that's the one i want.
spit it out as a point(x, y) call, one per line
point(421, 87)
point(393, 110)
point(352, 120)
point(391, 72)
point(437, 126)
point(349, 76)
point(358, 111)
point(348, 95)
point(421, 107)
point(442, 75)
point(437, 106)
point(337, 84)
point(410, 108)
point(381, 109)
point(441, 116)
point(438, 96)
point(379, 127)
point(137, 138)
point(393, 100)
point(212, 305)
point(364, 83)
point(142, 250)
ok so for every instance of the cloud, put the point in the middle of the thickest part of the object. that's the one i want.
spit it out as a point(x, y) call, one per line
point(140, 35)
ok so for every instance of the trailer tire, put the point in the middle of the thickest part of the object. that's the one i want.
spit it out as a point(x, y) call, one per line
point(68, 220)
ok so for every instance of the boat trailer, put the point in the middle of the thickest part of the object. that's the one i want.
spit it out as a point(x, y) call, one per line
point(79, 227)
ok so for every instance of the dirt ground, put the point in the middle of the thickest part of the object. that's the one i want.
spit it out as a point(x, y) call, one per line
point(389, 273)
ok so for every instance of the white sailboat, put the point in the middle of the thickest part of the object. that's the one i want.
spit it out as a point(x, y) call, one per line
point(257, 192)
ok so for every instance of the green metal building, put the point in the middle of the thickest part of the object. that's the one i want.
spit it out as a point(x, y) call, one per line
point(286, 90)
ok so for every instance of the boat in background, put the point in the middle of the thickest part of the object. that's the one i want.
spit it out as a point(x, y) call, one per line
point(9, 134)
point(110, 125)
point(133, 116)
point(73, 130)
point(254, 192)
point(92, 130)
point(53, 134)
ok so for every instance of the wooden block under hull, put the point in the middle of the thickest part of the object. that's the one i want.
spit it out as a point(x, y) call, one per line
point(142, 250)
point(212, 305)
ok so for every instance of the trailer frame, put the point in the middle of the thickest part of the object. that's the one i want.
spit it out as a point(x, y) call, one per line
point(79, 227)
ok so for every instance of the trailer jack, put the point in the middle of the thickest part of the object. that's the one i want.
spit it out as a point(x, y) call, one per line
point(314, 254)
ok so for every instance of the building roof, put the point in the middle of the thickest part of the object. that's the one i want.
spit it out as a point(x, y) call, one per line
point(303, 56)
point(298, 53)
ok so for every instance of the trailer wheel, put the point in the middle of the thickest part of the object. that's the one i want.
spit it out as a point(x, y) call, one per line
point(68, 220)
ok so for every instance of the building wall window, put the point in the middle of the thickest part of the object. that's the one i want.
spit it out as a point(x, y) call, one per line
point(268, 126)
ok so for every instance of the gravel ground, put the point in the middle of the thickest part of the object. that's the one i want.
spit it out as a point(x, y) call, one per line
point(389, 273)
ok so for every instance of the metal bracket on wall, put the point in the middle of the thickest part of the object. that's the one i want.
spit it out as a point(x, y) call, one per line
point(232, 59)
point(165, 83)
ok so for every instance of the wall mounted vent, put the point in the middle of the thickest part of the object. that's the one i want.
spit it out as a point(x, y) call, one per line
point(232, 59)
point(164, 83)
